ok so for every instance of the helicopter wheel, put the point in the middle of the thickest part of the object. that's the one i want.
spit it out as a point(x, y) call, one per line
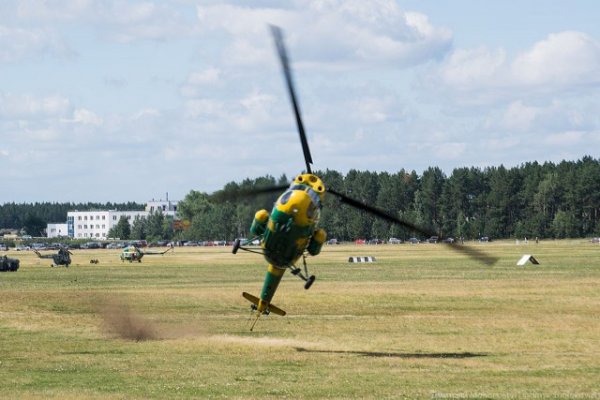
point(309, 282)
point(236, 246)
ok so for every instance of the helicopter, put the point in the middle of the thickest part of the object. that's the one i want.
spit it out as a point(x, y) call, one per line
point(133, 253)
point(290, 232)
point(63, 257)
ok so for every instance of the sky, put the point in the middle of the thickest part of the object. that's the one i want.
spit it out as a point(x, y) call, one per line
point(122, 101)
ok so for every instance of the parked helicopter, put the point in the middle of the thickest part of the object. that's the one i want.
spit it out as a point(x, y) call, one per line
point(290, 231)
point(63, 257)
point(133, 253)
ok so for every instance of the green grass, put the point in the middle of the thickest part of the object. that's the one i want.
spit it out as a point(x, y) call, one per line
point(421, 322)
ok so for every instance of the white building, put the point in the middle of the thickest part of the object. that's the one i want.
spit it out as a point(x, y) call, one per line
point(96, 224)
point(56, 230)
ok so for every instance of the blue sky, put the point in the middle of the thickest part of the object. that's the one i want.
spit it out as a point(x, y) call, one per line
point(126, 100)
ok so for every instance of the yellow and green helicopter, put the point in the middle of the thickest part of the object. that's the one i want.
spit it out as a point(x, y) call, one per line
point(133, 253)
point(290, 231)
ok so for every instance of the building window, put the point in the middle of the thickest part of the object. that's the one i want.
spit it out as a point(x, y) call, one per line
point(97, 226)
point(103, 217)
point(114, 217)
point(85, 227)
point(79, 218)
point(103, 226)
point(78, 226)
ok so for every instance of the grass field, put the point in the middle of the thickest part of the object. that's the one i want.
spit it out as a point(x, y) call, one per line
point(421, 322)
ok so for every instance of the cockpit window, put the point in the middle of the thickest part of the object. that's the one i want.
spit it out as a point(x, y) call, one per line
point(312, 212)
point(313, 195)
point(285, 197)
point(313, 209)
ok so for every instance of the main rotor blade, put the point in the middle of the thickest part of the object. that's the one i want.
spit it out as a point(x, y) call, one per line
point(224, 195)
point(278, 37)
point(470, 251)
point(379, 213)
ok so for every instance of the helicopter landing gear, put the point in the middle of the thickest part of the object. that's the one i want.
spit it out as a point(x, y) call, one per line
point(298, 272)
point(239, 245)
point(309, 282)
point(236, 246)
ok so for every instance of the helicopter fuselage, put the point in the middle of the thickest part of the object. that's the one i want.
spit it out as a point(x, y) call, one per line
point(131, 253)
point(289, 231)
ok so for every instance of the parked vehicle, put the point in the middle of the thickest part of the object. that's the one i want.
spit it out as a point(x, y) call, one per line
point(394, 241)
point(413, 240)
point(91, 245)
point(8, 264)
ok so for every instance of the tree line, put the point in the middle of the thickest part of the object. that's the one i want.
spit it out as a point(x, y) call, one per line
point(544, 200)
point(32, 218)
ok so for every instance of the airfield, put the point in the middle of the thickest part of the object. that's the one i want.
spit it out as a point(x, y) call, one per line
point(421, 322)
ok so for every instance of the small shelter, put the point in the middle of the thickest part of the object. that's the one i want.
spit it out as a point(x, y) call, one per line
point(527, 257)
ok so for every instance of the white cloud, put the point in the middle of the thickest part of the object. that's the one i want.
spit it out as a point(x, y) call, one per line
point(29, 106)
point(466, 69)
point(539, 118)
point(86, 117)
point(195, 108)
point(372, 109)
point(120, 20)
point(197, 82)
point(449, 150)
point(562, 62)
point(500, 145)
point(565, 138)
point(205, 77)
point(19, 43)
point(51, 10)
point(336, 31)
point(519, 117)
